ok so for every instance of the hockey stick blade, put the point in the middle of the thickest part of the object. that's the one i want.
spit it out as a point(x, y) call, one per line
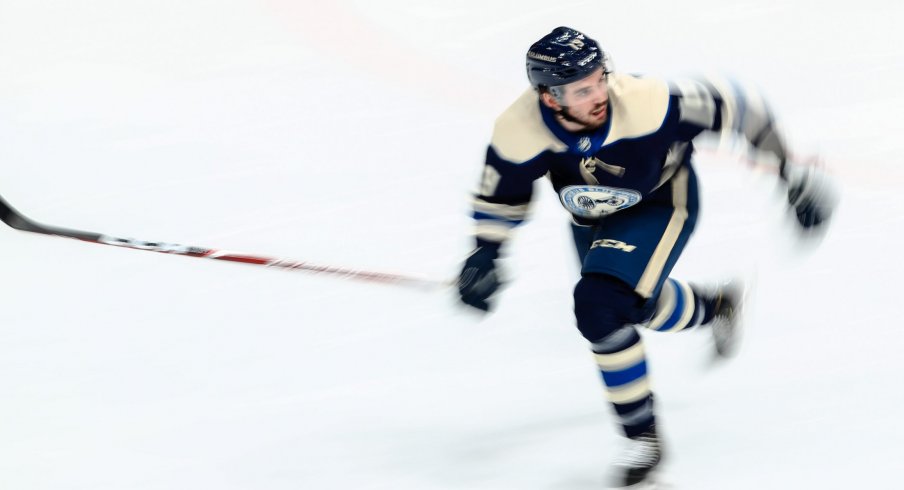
point(19, 221)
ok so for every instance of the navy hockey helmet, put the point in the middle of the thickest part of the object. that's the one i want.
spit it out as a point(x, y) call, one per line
point(563, 56)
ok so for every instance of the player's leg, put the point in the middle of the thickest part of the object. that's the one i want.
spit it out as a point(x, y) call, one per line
point(678, 306)
point(623, 272)
point(681, 306)
point(607, 310)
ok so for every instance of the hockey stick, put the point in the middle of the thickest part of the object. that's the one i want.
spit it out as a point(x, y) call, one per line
point(17, 220)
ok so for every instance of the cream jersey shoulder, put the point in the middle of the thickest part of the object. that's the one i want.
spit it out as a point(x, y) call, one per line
point(639, 106)
point(520, 133)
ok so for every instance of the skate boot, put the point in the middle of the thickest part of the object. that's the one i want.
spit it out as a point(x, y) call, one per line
point(639, 459)
point(726, 323)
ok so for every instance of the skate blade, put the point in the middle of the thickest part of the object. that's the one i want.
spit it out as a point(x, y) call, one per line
point(647, 484)
point(653, 481)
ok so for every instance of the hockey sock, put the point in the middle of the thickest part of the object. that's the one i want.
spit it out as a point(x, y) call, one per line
point(680, 307)
point(622, 363)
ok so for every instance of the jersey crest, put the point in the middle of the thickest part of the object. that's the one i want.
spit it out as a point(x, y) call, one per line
point(597, 201)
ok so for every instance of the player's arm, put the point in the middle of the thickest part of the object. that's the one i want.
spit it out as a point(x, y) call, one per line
point(725, 106)
point(500, 205)
point(502, 201)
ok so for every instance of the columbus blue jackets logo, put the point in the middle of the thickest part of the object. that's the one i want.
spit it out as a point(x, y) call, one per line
point(596, 201)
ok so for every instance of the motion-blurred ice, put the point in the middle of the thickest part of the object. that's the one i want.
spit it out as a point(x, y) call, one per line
point(351, 133)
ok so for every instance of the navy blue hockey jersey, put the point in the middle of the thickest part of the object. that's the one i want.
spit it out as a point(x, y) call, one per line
point(646, 139)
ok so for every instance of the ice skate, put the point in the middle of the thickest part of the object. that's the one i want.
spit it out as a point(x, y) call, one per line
point(726, 324)
point(635, 467)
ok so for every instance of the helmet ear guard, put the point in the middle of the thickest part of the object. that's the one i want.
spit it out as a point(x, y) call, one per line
point(563, 56)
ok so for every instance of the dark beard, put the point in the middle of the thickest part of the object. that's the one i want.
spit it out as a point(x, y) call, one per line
point(565, 113)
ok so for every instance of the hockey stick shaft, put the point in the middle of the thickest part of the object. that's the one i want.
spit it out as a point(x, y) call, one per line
point(17, 220)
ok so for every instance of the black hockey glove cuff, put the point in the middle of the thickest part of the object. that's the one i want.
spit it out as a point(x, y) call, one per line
point(478, 279)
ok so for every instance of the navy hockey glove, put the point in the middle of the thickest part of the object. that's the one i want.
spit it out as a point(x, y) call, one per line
point(478, 280)
point(812, 196)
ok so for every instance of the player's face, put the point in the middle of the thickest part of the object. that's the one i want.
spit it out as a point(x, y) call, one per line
point(587, 100)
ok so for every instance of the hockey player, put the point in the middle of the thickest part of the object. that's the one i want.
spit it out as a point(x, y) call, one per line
point(617, 149)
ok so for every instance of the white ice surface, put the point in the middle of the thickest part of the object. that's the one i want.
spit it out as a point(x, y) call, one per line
point(351, 134)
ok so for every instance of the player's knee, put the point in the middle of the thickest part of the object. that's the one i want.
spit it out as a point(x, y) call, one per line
point(603, 304)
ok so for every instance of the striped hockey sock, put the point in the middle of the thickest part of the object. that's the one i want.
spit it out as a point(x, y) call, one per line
point(622, 363)
point(680, 307)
